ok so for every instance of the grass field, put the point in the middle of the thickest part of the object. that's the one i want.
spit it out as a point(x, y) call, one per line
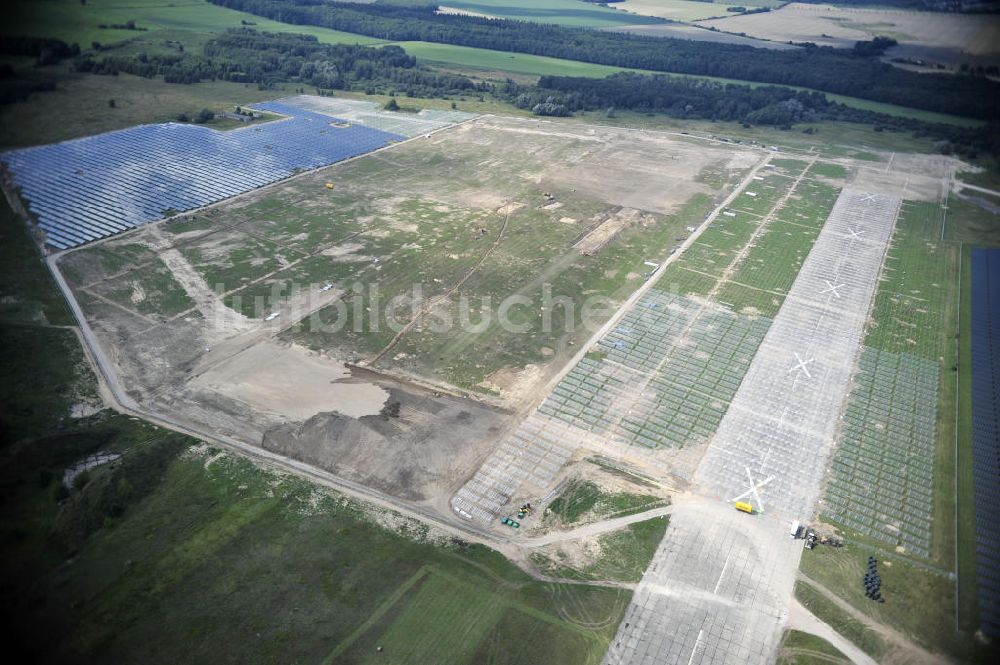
point(965, 565)
point(827, 612)
point(45, 119)
point(798, 648)
point(158, 541)
point(561, 12)
point(72, 21)
point(500, 62)
point(766, 270)
point(620, 556)
point(585, 501)
point(920, 601)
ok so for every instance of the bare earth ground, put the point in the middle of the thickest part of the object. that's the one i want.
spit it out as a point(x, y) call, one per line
point(947, 38)
point(188, 310)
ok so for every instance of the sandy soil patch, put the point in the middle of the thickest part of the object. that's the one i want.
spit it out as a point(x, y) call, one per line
point(606, 231)
point(434, 442)
point(138, 293)
point(345, 250)
point(462, 12)
point(675, 10)
point(293, 382)
point(516, 386)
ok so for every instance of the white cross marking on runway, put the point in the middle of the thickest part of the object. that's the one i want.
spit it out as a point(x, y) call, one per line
point(800, 366)
point(855, 235)
point(833, 288)
point(868, 198)
point(753, 489)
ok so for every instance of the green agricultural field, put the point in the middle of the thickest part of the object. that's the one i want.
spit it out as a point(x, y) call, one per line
point(917, 292)
point(561, 12)
point(500, 62)
point(73, 21)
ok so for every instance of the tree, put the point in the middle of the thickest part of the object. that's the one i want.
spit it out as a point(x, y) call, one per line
point(81, 480)
point(111, 103)
point(391, 105)
point(183, 117)
point(204, 116)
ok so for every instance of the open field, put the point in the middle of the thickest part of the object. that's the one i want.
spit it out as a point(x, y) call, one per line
point(920, 600)
point(43, 119)
point(696, 33)
point(947, 38)
point(73, 21)
point(560, 12)
point(798, 648)
point(674, 10)
point(198, 525)
point(621, 555)
point(835, 617)
point(505, 61)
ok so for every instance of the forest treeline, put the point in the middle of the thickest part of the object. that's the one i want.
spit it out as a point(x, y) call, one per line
point(267, 59)
point(688, 98)
point(245, 55)
point(820, 68)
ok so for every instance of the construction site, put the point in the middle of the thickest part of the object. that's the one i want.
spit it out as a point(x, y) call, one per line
point(483, 319)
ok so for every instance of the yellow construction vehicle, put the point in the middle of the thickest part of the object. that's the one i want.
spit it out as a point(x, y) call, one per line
point(744, 507)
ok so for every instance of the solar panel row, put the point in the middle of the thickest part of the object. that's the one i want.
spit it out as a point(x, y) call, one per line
point(986, 431)
point(90, 188)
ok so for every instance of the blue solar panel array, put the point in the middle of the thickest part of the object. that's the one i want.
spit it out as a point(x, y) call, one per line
point(94, 187)
point(986, 431)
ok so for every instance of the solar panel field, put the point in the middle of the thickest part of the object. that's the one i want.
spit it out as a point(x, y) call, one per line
point(882, 480)
point(91, 188)
point(986, 429)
